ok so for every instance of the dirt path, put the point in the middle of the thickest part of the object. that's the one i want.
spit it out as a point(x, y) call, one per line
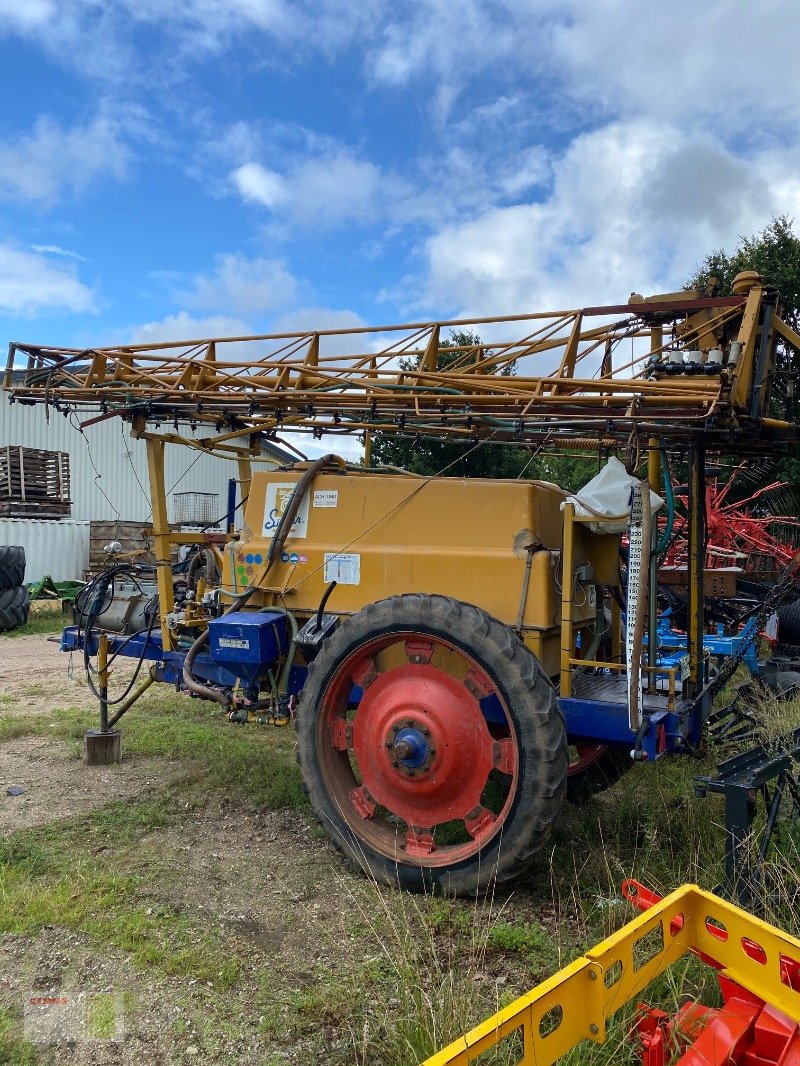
point(36, 683)
point(263, 882)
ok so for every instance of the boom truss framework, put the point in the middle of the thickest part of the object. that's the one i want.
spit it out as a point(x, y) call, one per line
point(598, 375)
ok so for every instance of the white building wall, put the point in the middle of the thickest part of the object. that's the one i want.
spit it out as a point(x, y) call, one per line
point(59, 548)
point(117, 459)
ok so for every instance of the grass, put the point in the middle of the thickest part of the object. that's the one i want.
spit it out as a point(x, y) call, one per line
point(40, 622)
point(14, 1050)
point(50, 877)
point(254, 763)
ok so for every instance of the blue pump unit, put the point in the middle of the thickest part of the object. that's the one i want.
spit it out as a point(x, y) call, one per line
point(248, 643)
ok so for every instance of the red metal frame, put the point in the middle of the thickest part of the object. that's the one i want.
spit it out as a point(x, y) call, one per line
point(745, 1030)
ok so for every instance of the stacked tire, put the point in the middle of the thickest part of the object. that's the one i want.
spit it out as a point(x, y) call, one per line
point(14, 598)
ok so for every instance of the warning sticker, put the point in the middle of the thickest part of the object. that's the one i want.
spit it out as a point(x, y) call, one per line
point(326, 498)
point(278, 497)
point(343, 567)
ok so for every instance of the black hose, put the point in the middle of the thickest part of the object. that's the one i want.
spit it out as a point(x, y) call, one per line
point(207, 692)
point(322, 602)
point(132, 682)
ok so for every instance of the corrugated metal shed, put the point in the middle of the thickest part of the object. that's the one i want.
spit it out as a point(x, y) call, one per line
point(108, 468)
point(59, 548)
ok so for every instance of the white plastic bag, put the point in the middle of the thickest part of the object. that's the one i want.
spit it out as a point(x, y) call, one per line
point(606, 497)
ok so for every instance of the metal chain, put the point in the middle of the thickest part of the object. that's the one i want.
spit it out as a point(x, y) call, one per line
point(783, 588)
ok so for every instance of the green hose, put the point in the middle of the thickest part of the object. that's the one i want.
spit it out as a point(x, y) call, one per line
point(666, 536)
point(283, 681)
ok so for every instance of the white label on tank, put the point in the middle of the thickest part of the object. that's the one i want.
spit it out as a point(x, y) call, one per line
point(326, 498)
point(343, 567)
point(278, 496)
point(233, 642)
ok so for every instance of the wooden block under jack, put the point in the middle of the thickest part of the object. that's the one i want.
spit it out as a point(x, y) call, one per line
point(101, 747)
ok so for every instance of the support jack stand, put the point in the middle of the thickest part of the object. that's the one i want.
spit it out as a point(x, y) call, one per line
point(104, 745)
point(741, 780)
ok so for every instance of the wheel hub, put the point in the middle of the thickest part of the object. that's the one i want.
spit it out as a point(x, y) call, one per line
point(422, 745)
point(411, 747)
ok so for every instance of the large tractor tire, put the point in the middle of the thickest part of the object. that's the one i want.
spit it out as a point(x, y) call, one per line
point(595, 767)
point(447, 774)
point(14, 604)
point(12, 566)
point(789, 622)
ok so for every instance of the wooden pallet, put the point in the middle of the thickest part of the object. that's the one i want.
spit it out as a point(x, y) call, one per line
point(136, 539)
point(29, 475)
point(36, 508)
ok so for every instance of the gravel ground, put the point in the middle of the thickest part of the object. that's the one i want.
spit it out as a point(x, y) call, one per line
point(261, 878)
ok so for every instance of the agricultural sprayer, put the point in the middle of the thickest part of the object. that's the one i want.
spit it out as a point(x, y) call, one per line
point(456, 653)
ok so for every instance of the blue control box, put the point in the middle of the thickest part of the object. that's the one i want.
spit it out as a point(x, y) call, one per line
point(248, 643)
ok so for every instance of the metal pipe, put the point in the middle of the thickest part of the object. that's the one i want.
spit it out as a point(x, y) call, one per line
point(567, 593)
point(134, 696)
point(654, 481)
point(102, 674)
point(697, 551)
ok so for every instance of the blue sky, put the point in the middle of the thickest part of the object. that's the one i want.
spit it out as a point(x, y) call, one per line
point(211, 167)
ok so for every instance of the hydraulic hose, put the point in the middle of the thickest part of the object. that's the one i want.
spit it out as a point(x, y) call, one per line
point(666, 536)
point(208, 692)
point(321, 610)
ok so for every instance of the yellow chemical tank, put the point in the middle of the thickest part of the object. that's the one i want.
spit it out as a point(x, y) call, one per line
point(380, 535)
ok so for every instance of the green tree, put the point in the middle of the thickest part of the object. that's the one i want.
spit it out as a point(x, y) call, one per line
point(491, 459)
point(775, 254)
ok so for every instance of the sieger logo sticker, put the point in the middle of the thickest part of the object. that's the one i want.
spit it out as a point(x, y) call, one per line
point(278, 496)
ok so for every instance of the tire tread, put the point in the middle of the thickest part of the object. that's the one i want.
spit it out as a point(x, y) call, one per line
point(526, 686)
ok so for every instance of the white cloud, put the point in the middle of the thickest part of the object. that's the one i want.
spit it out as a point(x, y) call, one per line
point(242, 286)
point(41, 165)
point(254, 182)
point(56, 249)
point(31, 285)
point(338, 188)
point(633, 206)
point(729, 68)
point(330, 187)
point(187, 30)
point(27, 15)
point(183, 327)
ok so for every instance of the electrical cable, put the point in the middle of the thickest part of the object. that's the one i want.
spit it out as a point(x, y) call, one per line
point(132, 682)
point(96, 609)
point(131, 462)
point(273, 554)
point(97, 475)
point(397, 506)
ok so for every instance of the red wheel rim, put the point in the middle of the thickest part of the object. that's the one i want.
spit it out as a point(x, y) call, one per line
point(414, 769)
point(585, 754)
